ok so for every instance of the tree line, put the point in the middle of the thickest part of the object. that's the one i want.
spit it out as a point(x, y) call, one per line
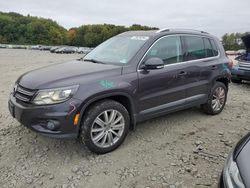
point(92, 35)
point(18, 29)
point(232, 41)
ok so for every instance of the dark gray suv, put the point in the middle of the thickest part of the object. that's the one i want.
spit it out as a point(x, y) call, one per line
point(127, 79)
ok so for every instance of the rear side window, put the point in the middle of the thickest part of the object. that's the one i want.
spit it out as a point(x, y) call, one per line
point(215, 49)
point(199, 47)
point(208, 48)
point(195, 48)
point(168, 49)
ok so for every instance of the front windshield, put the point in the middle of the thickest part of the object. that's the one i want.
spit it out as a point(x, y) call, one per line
point(117, 50)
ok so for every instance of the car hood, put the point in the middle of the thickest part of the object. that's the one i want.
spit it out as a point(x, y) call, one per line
point(64, 74)
point(246, 41)
point(241, 154)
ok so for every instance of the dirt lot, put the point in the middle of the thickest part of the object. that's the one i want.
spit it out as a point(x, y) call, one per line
point(184, 149)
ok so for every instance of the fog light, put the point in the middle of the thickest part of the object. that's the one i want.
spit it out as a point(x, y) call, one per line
point(52, 125)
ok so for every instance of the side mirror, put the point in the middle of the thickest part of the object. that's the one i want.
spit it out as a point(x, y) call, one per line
point(153, 63)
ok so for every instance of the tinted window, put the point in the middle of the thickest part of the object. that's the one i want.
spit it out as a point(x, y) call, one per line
point(195, 48)
point(208, 48)
point(168, 49)
point(215, 50)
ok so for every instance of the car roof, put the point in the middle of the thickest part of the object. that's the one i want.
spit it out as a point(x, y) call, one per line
point(138, 33)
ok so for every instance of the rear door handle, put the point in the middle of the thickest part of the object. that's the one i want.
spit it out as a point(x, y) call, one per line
point(182, 73)
point(214, 67)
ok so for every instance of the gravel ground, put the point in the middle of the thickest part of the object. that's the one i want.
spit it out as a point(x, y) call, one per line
point(184, 149)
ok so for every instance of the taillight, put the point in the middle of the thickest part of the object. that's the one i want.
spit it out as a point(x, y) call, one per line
point(230, 63)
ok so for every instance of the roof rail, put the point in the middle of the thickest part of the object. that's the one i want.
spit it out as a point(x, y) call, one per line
point(162, 30)
point(179, 29)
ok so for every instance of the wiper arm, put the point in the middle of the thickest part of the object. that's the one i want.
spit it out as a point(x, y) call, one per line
point(93, 61)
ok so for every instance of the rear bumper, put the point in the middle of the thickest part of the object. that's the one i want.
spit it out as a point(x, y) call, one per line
point(37, 118)
point(240, 74)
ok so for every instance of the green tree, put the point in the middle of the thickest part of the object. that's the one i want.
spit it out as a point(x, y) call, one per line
point(93, 35)
point(18, 29)
point(233, 41)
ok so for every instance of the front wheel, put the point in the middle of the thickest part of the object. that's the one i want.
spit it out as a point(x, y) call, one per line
point(105, 126)
point(217, 99)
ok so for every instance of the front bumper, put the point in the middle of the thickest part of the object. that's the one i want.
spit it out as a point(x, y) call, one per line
point(221, 182)
point(37, 117)
point(230, 177)
point(240, 74)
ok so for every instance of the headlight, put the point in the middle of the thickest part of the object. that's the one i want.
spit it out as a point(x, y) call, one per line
point(53, 96)
point(231, 174)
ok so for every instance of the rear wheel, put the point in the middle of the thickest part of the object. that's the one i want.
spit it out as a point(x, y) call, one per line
point(236, 80)
point(217, 99)
point(105, 126)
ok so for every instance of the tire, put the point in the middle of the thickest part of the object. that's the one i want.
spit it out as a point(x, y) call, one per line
point(236, 80)
point(221, 181)
point(209, 107)
point(98, 130)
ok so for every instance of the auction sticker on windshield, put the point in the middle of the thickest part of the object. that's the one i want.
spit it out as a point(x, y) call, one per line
point(139, 38)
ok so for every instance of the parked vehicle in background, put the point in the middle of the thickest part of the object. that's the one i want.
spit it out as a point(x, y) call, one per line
point(47, 48)
point(236, 172)
point(241, 70)
point(129, 78)
point(69, 50)
point(231, 52)
point(54, 48)
point(35, 47)
point(84, 50)
point(241, 52)
point(60, 50)
point(3, 45)
point(66, 49)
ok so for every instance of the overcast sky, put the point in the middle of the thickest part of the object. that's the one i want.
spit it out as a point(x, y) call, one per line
point(215, 16)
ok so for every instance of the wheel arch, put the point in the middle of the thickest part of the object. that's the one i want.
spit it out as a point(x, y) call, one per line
point(125, 99)
point(223, 80)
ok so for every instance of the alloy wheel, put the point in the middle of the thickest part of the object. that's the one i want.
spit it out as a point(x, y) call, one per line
point(218, 99)
point(107, 128)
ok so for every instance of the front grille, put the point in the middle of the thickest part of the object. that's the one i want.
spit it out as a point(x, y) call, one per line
point(244, 66)
point(24, 94)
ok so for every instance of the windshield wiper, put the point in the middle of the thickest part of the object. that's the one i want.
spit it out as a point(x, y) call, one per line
point(93, 61)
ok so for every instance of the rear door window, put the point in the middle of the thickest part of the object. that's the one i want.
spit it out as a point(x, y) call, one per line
point(195, 48)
